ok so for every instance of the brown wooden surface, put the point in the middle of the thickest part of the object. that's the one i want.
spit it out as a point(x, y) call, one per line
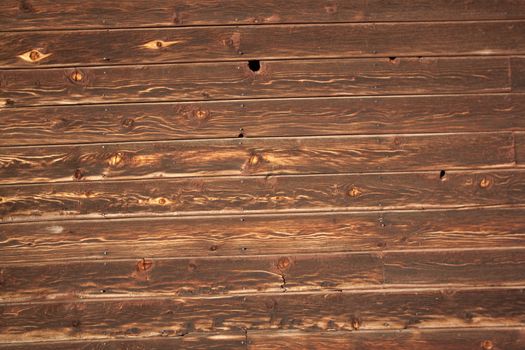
point(49, 14)
point(256, 157)
point(237, 195)
point(235, 80)
point(281, 174)
point(367, 310)
point(267, 42)
point(262, 118)
point(262, 234)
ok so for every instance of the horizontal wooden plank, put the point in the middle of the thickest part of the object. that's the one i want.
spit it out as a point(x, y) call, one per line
point(476, 266)
point(261, 234)
point(457, 189)
point(49, 14)
point(233, 80)
point(255, 157)
point(326, 311)
point(439, 339)
point(191, 341)
point(262, 118)
point(152, 277)
point(520, 148)
point(517, 69)
point(139, 46)
point(508, 338)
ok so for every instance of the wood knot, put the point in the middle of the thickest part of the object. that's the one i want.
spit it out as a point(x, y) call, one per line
point(192, 267)
point(485, 183)
point(33, 56)
point(254, 160)
point(77, 76)
point(331, 9)
point(356, 323)
point(201, 114)
point(487, 345)
point(283, 263)
point(144, 264)
point(214, 247)
point(128, 123)
point(354, 192)
point(158, 44)
point(116, 159)
point(78, 174)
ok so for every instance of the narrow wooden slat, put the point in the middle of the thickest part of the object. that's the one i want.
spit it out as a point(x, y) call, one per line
point(151, 277)
point(517, 72)
point(262, 194)
point(459, 339)
point(261, 234)
point(520, 148)
point(255, 157)
point(253, 118)
point(190, 277)
point(191, 341)
point(231, 80)
point(327, 311)
point(49, 14)
point(260, 42)
point(477, 266)
point(509, 338)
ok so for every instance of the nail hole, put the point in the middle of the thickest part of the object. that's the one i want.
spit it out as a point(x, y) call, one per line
point(241, 134)
point(254, 65)
point(442, 174)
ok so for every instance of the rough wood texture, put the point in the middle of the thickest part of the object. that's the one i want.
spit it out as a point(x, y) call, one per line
point(262, 118)
point(149, 277)
point(313, 312)
point(232, 80)
point(256, 157)
point(280, 174)
point(52, 14)
point(255, 42)
point(410, 339)
point(262, 234)
point(239, 195)
point(464, 339)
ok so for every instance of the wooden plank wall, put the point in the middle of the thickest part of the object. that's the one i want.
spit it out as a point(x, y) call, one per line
point(277, 174)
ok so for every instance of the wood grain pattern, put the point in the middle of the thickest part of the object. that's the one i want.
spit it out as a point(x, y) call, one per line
point(108, 47)
point(49, 14)
point(313, 312)
point(150, 277)
point(262, 194)
point(233, 80)
point(262, 118)
point(261, 234)
point(255, 157)
point(462, 339)
point(509, 338)
point(520, 148)
point(192, 341)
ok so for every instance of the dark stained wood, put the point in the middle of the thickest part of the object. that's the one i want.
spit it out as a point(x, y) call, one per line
point(256, 118)
point(461, 339)
point(107, 47)
point(409, 339)
point(256, 157)
point(150, 277)
point(231, 80)
point(313, 312)
point(517, 69)
point(261, 234)
point(458, 189)
point(49, 14)
point(520, 148)
point(491, 267)
point(192, 341)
